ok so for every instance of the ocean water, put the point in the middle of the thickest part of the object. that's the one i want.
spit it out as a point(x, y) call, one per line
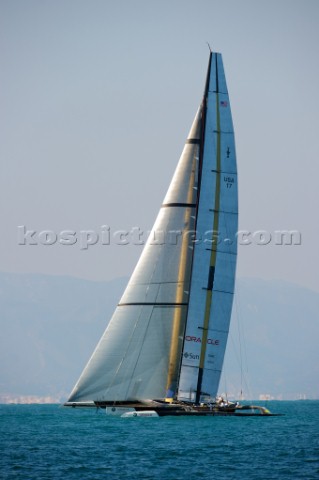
point(50, 442)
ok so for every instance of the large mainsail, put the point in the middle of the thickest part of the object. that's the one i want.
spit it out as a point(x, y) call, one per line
point(214, 263)
point(167, 337)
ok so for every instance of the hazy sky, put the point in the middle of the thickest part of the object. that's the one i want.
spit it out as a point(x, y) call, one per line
point(98, 96)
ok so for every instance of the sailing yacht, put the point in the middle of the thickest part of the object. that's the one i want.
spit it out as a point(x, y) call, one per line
point(162, 352)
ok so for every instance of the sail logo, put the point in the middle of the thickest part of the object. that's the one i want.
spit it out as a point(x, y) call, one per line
point(210, 341)
point(191, 356)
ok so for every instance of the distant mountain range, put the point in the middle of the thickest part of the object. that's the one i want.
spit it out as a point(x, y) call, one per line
point(50, 326)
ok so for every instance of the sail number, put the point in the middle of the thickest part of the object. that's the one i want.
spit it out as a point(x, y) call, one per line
point(229, 181)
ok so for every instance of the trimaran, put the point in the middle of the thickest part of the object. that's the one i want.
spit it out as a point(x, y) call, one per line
point(163, 349)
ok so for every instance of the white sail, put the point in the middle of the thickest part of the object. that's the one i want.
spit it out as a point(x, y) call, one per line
point(139, 354)
point(168, 335)
point(214, 264)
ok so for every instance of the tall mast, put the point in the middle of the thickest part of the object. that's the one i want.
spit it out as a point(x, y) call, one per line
point(210, 282)
point(200, 142)
point(215, 252)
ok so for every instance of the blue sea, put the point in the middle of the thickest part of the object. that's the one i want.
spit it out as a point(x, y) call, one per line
point(52, 442)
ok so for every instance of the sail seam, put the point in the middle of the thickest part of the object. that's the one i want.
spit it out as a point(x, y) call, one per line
point(216, 91)
point(222, 211)
point(214, 330)
point(222, 171)
point(215, 290)
point(221, 251)
point(213, 369)
point(224, 132)
point(163, 304)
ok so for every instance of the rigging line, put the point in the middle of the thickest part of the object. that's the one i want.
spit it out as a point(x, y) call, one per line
point(224, 371)
point(242, 344)
point(237, 358)
point(239, 304)
point(240, 357)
